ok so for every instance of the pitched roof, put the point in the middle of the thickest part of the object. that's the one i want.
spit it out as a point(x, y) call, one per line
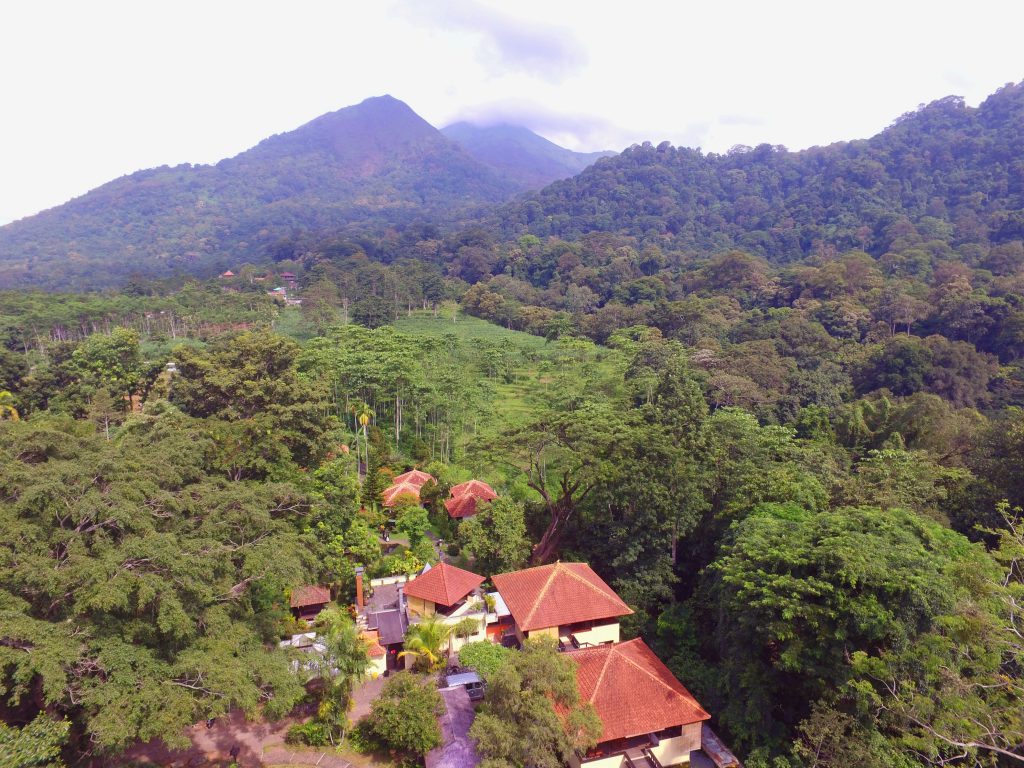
point(632, 691)
point(461, 506)
point(392, 492)
point(310, 595)
point(477, 488)
point(390, 625)
point(373, 647)
point(465, 496)
point(556, 594)
point(416, 477)
point(443, 584)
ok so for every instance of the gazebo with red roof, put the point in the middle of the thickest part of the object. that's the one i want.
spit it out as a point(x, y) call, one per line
point(414, 476)
point(644, 710)
point(392, 493)
point(567, 602)
point(441, 589)
point(465, 496)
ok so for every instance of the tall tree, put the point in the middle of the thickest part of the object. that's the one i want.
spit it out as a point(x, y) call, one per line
point(519, 723)
point(495, 536)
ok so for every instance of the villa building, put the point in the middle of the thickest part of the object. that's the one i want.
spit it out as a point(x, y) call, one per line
point(306, 602)
point(567, 602)
point(451, 595)
point(649, 718)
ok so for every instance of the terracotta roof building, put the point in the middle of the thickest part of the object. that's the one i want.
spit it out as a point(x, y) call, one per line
point(307, 601)
point(373, 647)
point(564, 601)
point(439, 590)
point(465, 496)
point(415, 476)
point(642, 706)
point(392, 493)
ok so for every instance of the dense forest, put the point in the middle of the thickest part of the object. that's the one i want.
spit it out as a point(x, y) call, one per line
point(776, 400)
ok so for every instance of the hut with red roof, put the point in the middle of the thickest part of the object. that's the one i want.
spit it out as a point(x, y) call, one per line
point(464, 498)
point(307, 601)
point(406, 484)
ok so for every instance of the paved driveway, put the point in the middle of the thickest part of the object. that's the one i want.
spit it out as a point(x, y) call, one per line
point(456, 750)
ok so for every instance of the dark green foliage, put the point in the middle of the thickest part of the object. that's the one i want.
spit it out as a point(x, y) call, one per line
point(311, 734)
point(250, 384)
point(518, 723)
point(495, 537)
point(796, 593)
point(404, 717)
point(144, 585)
point(35, 745)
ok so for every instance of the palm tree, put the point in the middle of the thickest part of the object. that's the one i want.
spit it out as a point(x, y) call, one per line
point(425, 642)
point(7, 409)
point(363, 414)
point(344, 663)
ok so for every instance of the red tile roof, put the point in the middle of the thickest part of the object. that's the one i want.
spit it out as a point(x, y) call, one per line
point(373, 647)
point(443, 584)
point(557, 594)
point(632, 691)
point(416, 477)
point(477, 488)
point(461, 506)
point(465, 496)
point(310, 595)
point(391, 493)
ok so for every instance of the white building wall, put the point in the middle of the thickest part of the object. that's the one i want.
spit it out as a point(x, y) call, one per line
point(677, 750)
point(615, 761)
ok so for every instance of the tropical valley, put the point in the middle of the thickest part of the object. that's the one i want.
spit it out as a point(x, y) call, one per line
point(384, 445)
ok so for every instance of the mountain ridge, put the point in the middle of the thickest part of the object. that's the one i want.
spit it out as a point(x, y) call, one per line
point(374, 164)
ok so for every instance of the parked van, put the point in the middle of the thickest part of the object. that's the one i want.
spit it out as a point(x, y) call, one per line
point(470, 681)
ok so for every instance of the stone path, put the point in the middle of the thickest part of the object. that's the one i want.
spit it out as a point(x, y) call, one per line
point(364, 696)
point(457, 749)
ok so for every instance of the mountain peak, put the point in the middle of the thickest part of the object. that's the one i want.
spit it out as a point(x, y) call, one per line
point(355, 135)
point(519, 153)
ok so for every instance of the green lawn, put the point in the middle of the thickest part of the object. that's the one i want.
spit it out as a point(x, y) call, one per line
point(465, 327)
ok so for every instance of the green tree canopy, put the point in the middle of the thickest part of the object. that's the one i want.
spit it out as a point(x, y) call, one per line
point(519, 723)
point(404, 716)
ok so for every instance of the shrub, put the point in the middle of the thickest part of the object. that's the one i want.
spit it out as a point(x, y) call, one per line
point(404, 717)
point(485, 657)
point(312, 734)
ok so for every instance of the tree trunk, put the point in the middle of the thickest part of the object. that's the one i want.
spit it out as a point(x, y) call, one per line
point(551, 541)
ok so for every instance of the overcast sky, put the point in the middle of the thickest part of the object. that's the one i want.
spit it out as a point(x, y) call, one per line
point(94, 90)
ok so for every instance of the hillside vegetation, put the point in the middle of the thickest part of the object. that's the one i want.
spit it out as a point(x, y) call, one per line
point(775, 399)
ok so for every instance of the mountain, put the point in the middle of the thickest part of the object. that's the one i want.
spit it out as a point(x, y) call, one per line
point(519, 154)
point(945, 173)
point(377, 162)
